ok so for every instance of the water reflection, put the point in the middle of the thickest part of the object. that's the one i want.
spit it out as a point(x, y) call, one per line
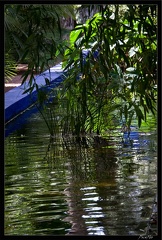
point(57, 187)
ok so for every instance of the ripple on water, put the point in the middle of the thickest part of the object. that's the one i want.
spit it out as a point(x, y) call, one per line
point(51, 189)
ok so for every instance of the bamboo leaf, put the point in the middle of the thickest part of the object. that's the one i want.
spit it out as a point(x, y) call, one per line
point(29, 90)
point(75, 34)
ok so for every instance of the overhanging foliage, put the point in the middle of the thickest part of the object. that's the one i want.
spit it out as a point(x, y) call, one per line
point(119, 74)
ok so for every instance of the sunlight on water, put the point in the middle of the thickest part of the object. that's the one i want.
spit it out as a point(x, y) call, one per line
point(59, 188)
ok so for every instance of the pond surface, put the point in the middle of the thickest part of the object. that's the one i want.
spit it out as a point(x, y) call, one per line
point(58, 187)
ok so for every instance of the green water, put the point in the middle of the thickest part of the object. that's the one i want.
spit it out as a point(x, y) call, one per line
point(59, 187)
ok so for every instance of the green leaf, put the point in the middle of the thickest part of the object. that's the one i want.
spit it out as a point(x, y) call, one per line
point(47, 81)
point(139, 28)
point(29, 90)
point(122, 54)
point(24, 55)
point(75, 34)
point(125, 112)
point(25, 75)
point(139, 114)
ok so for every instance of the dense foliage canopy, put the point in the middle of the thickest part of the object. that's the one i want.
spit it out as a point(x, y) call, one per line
point(34, 35)
point(118, 77)
point(111, 60)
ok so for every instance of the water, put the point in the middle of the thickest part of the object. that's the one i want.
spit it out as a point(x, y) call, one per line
point(58, 187)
